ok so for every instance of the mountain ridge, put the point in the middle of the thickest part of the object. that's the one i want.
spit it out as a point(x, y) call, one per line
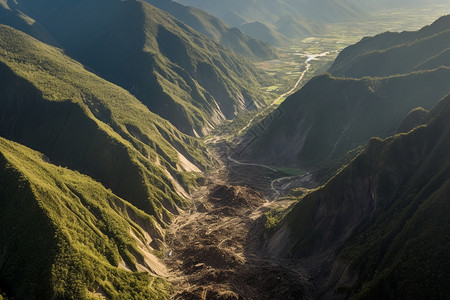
point(302, 133)
point(194, 85)
point(217, 30)
point(395, 53)
point(77, 119)
point(79, 242)
point(376, 218)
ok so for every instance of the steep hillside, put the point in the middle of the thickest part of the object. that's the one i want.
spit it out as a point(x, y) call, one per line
point(264, 33)
point(397, 53)
point(380, 228)
point(176, 72)
point(217, 30)
point(330, 116)
point(52, 104)
point(297, 28)
point(68, 237)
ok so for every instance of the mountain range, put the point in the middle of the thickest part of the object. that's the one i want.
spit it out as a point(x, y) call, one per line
point(271, 11)
point(275, 22)
point(176, 72)
point(332, 115)
point(217, 30)
point(393, 53)
point(102, 106)
point(127, 167)
point(380, 226)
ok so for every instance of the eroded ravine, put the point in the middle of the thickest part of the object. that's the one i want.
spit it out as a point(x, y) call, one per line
point(213, 250)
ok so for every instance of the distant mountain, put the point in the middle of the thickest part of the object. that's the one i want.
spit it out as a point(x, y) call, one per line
point(65, 236)
point(264, 33)
point(217, 30)
point(397, 53)
point(270, 11)
point(405, 3)
point(234, 19)
point(379, 229)
point(330, 115)
point(176, 72)
point(296, 28)
point(282, 31)
point(269, 20)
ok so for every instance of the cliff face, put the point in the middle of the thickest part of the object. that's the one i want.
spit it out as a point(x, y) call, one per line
point(381, 220)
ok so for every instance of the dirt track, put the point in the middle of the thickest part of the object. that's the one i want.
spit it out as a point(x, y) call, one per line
point(213, 249)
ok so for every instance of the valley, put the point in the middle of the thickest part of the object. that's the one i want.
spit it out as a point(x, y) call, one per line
point(293, 68)
point(214, 250)
point(155, 152)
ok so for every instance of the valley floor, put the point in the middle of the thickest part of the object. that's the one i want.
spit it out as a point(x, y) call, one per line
point(214, 249)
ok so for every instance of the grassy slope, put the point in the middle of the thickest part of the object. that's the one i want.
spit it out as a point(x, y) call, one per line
point(52, 104)
point(385, 215)
point(217, 30)
point(176, 72)
point(66, 234)
point(330, 116)
point(396, 53)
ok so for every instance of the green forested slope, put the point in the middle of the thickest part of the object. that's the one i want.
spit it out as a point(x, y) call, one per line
point(178, 73)
point(217, 30)
point(330, 116)
point(68, 237)
point(52, 104)
point(264, 33)
point(383, 220)
point(396, 53)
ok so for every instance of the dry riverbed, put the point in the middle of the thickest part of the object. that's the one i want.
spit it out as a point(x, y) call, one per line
point(213, 249)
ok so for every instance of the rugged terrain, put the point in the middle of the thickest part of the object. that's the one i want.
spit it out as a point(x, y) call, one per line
point(217, 30)
point(375, 84)
point(394, 53)
point(214, 248)
point(379, 227)
point(103, 198)
point(178, 73)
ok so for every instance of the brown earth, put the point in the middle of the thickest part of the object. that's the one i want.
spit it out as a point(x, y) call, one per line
point(213, 249)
